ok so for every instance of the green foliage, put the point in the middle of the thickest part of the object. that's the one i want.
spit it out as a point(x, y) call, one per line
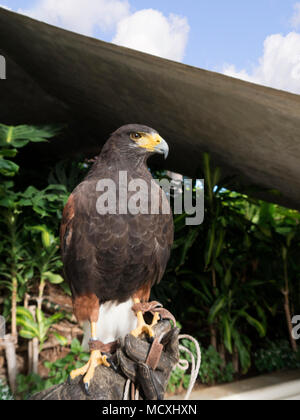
point(213, 368)
point(276, 355)
point(230, 272)
point(39, 328)
point(13, 138)
point(179, 379)
point(28, 220)
point(5, 394)
point(28, 385)
point(68, 174)
point(58, 372)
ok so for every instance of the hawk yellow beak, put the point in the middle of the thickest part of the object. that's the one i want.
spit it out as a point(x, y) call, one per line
point(154, 143)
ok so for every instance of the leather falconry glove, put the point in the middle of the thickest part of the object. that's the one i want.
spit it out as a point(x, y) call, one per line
point(149, 366)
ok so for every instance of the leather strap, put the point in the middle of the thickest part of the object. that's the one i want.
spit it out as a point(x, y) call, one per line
point(104, 348)
point(154, 354)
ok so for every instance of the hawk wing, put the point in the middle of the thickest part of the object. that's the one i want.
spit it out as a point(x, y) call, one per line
point(112, 256)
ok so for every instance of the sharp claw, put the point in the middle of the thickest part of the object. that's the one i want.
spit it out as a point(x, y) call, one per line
point(86, 389)
point(112, 365)
point(151, 340)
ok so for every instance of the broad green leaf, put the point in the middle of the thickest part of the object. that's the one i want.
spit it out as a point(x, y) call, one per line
point(53, 319)
point(188, 243)
point(211, 242)
point(53, 278)
point(228, 277)
point(193, 289)
point(75, 346)
point(61, 339)
point(255, 323)
point(28, 325)
point(8, 153)
point(216, 308)
point(8, 168)
point(25, 313)
point(227, 334)
point(27, 334)
point(47, 236)
point(21, 135)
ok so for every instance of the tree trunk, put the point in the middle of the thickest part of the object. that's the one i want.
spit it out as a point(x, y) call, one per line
point(212, 327)
point(288, 317)
point(235, 361)
point(33, 355)
point(222, 352)
point(287, 309)
point(14, 307)
point(11, 359)
point(213, 336)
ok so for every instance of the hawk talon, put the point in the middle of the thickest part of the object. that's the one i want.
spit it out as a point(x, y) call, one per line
point(151, 340)
point(112, 364)
point(96, 359)
point(86, 390)
point(145, 328)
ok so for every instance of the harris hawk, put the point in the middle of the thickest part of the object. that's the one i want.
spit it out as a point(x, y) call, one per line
point(112, 260)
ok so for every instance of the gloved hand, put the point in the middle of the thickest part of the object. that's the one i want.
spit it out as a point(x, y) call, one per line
point(151, 377)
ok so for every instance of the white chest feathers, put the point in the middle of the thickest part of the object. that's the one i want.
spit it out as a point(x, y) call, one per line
point(115, 321)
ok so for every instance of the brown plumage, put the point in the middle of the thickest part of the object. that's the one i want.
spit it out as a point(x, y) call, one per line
point(115, 257)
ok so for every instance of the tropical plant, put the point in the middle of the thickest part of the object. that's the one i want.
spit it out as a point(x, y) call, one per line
point(22, 257)
point(275, 356)
point(58, 372)
point(36, 328)
point(5, 394)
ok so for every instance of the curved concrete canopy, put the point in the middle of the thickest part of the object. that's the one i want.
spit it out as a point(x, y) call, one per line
point(55, 75)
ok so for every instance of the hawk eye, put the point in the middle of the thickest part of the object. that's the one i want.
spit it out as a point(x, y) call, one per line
point(135, 136)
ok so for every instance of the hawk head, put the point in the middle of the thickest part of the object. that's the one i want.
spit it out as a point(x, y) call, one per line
point(139, 140)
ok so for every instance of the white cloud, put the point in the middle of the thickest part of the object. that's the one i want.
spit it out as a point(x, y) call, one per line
point(82, 16)
point(295, 21)
point(5, 7)
point(151, 32)
point(279, 67)
point(146, 30)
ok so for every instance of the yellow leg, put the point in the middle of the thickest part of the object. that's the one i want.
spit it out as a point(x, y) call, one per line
point(142, 327)
point(96, 359)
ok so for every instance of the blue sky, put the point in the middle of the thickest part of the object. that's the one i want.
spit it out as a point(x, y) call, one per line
point(224, 36)
point(231, 31)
